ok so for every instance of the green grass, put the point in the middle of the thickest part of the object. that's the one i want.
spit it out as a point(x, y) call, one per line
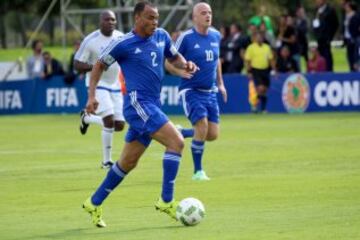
point(273, 177)
point(339, 54)
point(13, 54)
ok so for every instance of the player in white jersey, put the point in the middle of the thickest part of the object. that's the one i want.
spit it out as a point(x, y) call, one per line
point(109, 113)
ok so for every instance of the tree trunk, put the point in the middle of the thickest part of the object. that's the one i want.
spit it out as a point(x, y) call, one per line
point(22, 28)
point(3, 31)
point(52, 30)
point(83, 23)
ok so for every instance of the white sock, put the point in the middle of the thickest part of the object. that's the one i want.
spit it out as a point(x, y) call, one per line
point(91, 118)
point(107, 137)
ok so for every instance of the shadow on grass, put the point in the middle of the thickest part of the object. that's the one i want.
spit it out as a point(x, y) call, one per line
point(83, 233)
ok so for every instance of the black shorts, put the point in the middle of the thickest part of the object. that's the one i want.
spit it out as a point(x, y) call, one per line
point(261, 77)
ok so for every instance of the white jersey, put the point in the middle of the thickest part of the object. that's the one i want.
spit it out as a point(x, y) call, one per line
point(89, 52)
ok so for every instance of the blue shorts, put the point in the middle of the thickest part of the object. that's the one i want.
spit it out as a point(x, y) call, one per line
point(144, 116)
point(198, 105)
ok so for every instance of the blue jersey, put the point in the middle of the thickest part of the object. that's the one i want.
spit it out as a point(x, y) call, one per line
point(141, 60)
point(204, 51)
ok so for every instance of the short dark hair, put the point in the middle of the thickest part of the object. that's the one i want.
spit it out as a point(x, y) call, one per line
point(352, 5)
point(140, 6)
point(237, 26)
point(35, 42)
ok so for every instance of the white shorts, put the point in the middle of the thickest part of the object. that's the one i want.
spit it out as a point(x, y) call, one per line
point(110, 103)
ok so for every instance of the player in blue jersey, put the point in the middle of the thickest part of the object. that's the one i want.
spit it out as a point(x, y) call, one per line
point(141, 53)
point(200, 44)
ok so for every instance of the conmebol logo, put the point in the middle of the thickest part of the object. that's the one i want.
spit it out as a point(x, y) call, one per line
point(296, 93)
point(336, 93)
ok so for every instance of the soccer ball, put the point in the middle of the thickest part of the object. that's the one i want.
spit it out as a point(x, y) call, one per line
point(190, 211)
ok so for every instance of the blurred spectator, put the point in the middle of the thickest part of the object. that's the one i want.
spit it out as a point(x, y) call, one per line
point(71, 75)
point(258, 59)
point(267, 36)
point(281, 30)
point(301, 26)
point(175, 35)
point(35, 63)
point(325, 26)
point(357, 66)
point(316, 63)
point(262, 17)
point(251, 30)
point(284, 63)
point(52, 67)
point(350, 28)
point(289, 39)
point(71, 63)
point(225, 38)
point(237, 44)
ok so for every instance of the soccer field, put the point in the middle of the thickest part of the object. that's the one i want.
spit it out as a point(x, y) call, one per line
point(273, 177)
point(339, 54)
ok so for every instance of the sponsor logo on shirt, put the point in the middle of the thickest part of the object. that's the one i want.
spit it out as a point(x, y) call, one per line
point(160, 44)
point(137, 51)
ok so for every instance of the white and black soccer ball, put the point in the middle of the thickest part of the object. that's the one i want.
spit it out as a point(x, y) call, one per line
point(190, 211)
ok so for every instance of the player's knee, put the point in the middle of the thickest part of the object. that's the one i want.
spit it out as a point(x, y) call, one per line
point(128, 164)
point(108, 122)
point(212, 136)
point(201, 129)
point(180, 144)
point(177, 144)
point(119, 126)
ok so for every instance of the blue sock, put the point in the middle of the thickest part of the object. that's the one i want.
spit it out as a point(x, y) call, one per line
point(197, 149)
point(113, 178)
point(187, 132)
point(171, 163)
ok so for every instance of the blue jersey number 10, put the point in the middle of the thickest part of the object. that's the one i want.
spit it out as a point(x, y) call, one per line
point(209, 55)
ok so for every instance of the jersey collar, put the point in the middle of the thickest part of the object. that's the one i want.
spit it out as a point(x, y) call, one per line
point(141, 38)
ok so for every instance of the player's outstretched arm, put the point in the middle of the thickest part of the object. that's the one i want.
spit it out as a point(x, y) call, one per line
point(220, 81)
point(96, 72)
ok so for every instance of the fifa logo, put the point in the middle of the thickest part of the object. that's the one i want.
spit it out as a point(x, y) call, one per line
point(10, 99)
point(61, 97)
point(170, 95)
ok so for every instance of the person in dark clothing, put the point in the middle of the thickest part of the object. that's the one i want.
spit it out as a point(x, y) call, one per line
point(72, 57)
point(72, 74)
point(225, 38)
point(290, 40)
point(325, 26)
point(350, 31)
point(284, 63)
point(52, 67)
point(301, 25)
point(354, 29)
point(237, 46)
